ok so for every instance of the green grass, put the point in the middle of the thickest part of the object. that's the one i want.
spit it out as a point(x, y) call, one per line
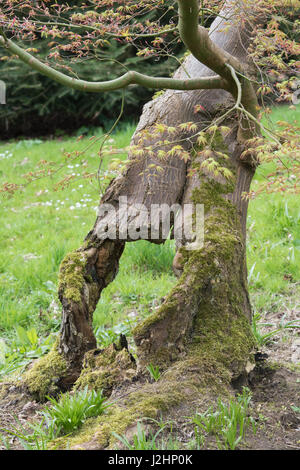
point(60, 417)
point(141, 440)
point(273, 242)
point(40, 225)
point(273, 236)
point(228, 422)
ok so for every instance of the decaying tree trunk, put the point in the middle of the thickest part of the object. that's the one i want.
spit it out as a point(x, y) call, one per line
point(201, 333)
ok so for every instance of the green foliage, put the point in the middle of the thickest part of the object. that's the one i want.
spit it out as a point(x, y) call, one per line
point(33, 436)
point(106, 336)
point(17, 353)
point(70, 411)
point(60, 417)
point(154, 372)
point(228, 423)
point(39, 106)
point(151, 257)
point(264, 338)
point(142, 440)
point(273, 251)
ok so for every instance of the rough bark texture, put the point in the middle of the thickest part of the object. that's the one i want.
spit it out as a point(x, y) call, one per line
point(203, 325)
point(83, 275)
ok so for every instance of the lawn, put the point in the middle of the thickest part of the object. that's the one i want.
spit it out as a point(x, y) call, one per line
point(39, 225)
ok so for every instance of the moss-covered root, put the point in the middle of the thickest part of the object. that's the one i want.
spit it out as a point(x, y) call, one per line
point(189, 385)
point(148, 402)
point(45, 375)
point(103, 370)
point(215, 358)
point(221, 340)
point(107, 369)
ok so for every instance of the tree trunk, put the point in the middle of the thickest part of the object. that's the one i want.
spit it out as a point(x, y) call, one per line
point(204, 323)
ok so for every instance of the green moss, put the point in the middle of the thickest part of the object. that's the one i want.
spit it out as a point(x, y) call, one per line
point(42, 378)
point(71, 276)
point(157, 94)
point(168, 306)
point(96, 433)
point(222, 334)
point(225, 342)
point(102, 370)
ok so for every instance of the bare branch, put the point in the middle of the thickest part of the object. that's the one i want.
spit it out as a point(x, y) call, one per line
point(129, 78)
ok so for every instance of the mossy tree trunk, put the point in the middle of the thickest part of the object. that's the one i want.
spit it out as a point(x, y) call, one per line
point(204, 323)
point(212, 287)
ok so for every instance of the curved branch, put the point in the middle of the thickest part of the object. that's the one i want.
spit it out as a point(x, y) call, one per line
point(197, 40)
point(129, 78)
